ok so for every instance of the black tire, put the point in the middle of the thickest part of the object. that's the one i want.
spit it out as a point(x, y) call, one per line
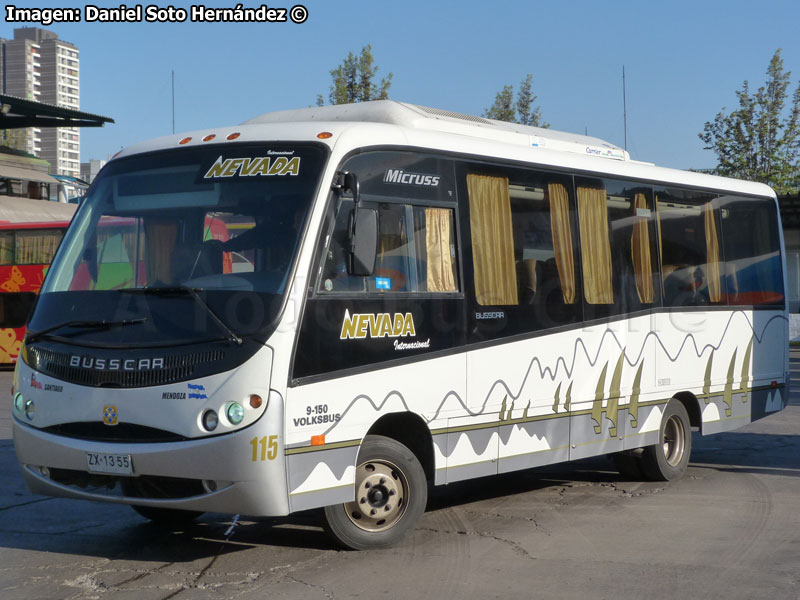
point(667, 460)
point(391, 492)
point(629, 464)
point(167, 518)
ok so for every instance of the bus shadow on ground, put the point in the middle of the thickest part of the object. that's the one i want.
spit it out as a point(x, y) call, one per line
point(133, 538)
point(115, 532)
point(745, 452)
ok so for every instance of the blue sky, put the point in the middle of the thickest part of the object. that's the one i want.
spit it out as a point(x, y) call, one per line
point(683, 63)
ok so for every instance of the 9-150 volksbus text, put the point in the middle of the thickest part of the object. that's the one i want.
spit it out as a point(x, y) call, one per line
point(153, 13)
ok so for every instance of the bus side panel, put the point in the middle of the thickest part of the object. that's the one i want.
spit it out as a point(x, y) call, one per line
point(727, 359)
point(563, 396)
point(327, 421)
point(472, 447)
point(524, 387)
point(533, 444)
point(603, 389)
point(321, 478)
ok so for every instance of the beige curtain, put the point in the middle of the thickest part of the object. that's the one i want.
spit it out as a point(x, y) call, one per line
point(492, 240)
point(562, 239)
point(129, 241)
point(161, 236)
point(640, 250)
point(36, 247)
point(595, 245)
point(441, 276)
point(712, 254)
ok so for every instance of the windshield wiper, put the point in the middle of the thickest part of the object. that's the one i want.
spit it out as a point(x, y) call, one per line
point(35, 335)
point(187, 291)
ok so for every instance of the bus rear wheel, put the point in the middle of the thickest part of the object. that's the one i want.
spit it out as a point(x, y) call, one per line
point(391, 492)
point(667, 460)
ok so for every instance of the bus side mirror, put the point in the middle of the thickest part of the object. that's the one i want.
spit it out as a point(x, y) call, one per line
point(15, 308)
point(352, 185)
point(363, 241)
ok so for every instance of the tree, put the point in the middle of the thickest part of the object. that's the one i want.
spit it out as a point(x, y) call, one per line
point(522, 111)
point(503, 107)
point(353, 80)
point(527, 114)
point(15, 138)
point(760, 140)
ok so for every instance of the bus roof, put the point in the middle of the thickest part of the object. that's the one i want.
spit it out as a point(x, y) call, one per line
point(434, 119)
point(392, 123)
point(18, 213)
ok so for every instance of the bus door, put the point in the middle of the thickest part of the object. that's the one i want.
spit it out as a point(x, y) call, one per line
point(523, 303)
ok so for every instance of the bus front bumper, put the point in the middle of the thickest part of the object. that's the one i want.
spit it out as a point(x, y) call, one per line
point(216, 474)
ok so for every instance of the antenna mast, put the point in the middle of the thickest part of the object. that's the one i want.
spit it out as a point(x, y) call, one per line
point(624, 108)
point(173, 101)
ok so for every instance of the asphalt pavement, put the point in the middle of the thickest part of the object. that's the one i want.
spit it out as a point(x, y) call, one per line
point(729, 529)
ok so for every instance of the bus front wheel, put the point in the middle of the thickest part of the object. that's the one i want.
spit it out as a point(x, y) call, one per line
point(667, 460)
point(391, 492)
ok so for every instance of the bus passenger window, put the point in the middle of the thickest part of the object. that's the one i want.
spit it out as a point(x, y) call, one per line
point(416, 252)
point(522, 246)
point(7, 248)
point(752, 268)
point(691, 259)
point(618, 249)
point(37, 246)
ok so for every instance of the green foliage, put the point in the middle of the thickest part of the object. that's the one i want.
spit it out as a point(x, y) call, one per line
point(16, 139)
point(522, 111)
point(503, 107)
point(352, 81)
point(760, 140)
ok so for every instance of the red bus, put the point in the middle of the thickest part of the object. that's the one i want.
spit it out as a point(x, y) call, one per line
point(30, 232)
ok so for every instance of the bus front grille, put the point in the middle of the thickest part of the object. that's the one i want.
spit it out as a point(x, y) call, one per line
point(144, 486)
point(85, 370)
point(123, 432)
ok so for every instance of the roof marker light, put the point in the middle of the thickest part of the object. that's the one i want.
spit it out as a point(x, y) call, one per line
point(209, 137)
point(185, 140)
point(324, 135)
point(233, 136)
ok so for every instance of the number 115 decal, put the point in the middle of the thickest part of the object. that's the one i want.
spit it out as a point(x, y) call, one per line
point(268, 447)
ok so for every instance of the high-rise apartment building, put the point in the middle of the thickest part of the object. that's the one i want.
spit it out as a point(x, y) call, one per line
point(36, 65)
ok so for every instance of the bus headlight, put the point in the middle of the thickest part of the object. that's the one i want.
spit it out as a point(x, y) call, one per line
point(235, 412)
point(210, 420)
point(19, 403)
point(30, 410)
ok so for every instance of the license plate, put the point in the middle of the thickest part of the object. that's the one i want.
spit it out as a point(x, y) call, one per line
point(100, 462)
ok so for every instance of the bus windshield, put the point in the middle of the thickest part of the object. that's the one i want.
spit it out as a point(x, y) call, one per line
point(207, 236)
